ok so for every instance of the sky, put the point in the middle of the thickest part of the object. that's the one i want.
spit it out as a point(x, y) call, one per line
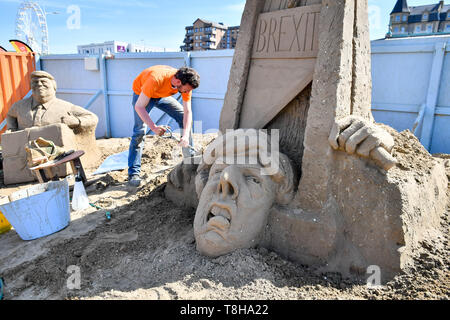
point(148, 22)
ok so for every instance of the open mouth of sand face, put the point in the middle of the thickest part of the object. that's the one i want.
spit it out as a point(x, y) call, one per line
point(219, 217)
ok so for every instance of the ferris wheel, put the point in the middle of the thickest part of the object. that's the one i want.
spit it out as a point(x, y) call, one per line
point(31, 26)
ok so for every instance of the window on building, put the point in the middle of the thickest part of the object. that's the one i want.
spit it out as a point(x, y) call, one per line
point(429, 28)
point(447, 28)
point(201, 29)
point(196, 29)
point(404, 18)
point(418, 29)
point(396, 29)
point(403, 30)
point(397, 18)
point(425, 16)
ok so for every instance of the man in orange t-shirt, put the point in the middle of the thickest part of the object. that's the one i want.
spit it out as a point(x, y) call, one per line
point(153, 88)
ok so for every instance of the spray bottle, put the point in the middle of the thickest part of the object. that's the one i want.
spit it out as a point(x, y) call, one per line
point(80, 199)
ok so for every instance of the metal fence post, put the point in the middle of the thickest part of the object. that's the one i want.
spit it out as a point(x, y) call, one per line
point(187, 59)
point(432, 94)
point(104, 78)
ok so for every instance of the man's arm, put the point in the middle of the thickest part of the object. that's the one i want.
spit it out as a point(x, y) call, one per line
point(11, 120)
point(140, 105)
point(80, 117)
point(187, 123)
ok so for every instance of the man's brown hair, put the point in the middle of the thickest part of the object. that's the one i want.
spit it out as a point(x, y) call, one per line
point(188, 76)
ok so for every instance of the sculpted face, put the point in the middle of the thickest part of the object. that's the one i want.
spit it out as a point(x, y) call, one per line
point(233, 208)
point(43, 89)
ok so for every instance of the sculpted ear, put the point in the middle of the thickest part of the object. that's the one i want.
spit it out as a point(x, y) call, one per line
point(285, 181)
point(201, 178)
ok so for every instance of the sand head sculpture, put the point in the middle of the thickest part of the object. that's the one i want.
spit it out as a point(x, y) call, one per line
point(240, 178)
point(43, 86)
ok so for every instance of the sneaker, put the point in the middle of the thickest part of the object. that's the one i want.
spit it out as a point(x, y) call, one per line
point(134, 180)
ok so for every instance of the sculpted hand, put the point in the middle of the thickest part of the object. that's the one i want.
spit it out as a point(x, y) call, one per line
point(70, 120)
point(354, 134)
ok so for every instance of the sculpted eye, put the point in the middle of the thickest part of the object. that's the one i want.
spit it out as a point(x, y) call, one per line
point(216, 172)
point(253, 179)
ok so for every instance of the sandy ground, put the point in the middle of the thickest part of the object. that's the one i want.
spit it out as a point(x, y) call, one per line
point(147, 251)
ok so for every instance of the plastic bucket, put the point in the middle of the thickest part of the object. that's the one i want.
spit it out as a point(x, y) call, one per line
point(40, 210)
point(5, 226)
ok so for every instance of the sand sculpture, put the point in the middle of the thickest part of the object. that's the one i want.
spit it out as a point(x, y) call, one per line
point(360, 193)
point(44, 115)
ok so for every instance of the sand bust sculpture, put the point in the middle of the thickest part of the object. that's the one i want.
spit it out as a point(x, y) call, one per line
point(243, 175)
point(43, 108)
point(44, 115)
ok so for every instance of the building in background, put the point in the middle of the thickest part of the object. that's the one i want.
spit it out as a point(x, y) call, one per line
point(207, 35)
point(117, 47)
point(406, 21)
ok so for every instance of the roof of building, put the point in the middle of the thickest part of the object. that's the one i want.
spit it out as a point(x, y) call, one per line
point(422, 9)
point(400, 6)
point(214, 24)
point(416, 13)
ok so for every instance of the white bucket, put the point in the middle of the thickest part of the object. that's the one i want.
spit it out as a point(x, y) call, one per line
point(40, 210)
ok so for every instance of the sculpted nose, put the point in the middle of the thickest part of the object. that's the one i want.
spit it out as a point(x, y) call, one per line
point(228, 185)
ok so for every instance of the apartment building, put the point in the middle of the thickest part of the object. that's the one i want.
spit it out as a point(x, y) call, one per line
point(422, 20)
point(116, 47)
point(207, 35)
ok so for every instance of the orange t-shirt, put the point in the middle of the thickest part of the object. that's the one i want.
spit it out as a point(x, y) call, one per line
point(154, 82)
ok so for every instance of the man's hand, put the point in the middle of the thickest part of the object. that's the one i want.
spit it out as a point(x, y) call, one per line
point(184, 142)
point(354, 134)
point(71, 121)
point(159, 130)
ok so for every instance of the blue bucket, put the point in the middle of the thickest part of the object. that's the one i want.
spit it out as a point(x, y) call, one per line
point(40, 210)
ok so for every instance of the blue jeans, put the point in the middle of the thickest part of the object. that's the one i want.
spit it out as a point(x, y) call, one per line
point(170, 106)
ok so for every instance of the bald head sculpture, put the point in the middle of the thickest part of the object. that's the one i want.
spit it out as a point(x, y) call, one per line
point(44, 108)
point(238, 183)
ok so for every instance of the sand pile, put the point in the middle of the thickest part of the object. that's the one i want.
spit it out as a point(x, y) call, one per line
point(147, 250)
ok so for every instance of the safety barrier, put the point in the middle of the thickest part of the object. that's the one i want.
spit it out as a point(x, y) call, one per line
point(15, 71)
